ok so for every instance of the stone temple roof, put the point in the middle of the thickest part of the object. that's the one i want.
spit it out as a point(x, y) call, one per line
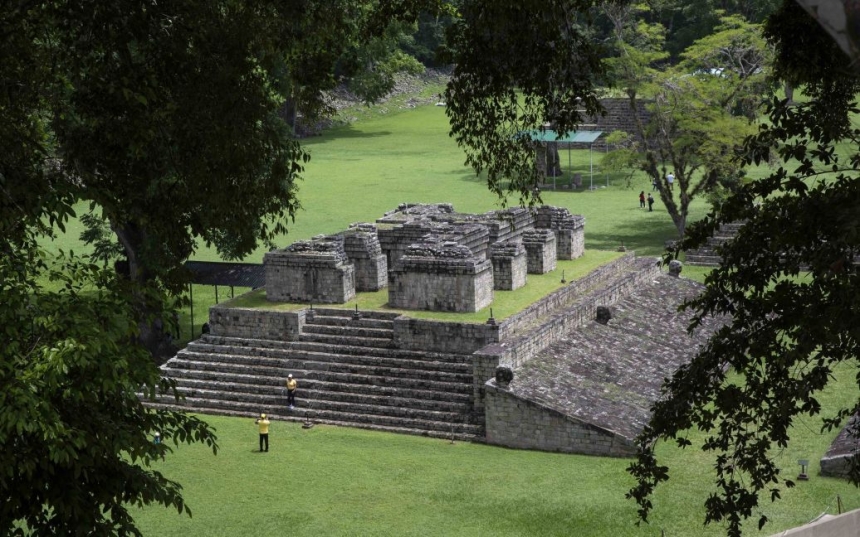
point(609, 375)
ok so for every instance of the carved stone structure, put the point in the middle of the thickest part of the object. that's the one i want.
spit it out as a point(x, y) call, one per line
point(509, 265)
point(362, 248)
point(569, 230)
point(316, 271)
point(441, 276)
point(540, 247)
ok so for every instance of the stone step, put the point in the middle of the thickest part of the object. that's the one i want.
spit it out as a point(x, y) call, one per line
point(348, 331)
point(323, 320)
point(473, 433)
point(373, 342)
point(427, 380)
point(227, 390)
point(348, 314)
point(703, 261)
point(317, 353)
point(208, 341)
point(320, 362)
point(201, 402)
point(307, 387)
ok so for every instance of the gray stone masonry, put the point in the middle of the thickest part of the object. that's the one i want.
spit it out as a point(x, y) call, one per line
point(316, 271)
point(540, 247)
point(242, 322)
point(607, 376)
point(441, 276)
point(361, 245)
point(510, 265)
point(837, 461)
point(520, 423)
point(569, 230)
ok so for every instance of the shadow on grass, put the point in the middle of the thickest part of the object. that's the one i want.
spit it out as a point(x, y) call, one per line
point(346, 132)
point(645, 237)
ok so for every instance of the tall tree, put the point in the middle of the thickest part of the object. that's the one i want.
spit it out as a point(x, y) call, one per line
point(788, 286)
point(166, 116)
point(518, 66)
point(698, 111)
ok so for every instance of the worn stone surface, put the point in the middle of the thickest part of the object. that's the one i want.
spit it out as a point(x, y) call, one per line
point(837, 461)
point(609, 375)
point(510, 265)
point(569, 230)
point(441, 276)
point(315, 271)
point(361, 245)
point(540, 250)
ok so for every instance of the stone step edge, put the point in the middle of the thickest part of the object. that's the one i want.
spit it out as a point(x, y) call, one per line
point(301, 413)
point(462, 437)
point(299, 372)
point(407, 364)
point(325, 387)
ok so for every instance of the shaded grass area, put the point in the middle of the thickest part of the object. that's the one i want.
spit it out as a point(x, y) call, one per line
point(505, 303)
point(341, 481)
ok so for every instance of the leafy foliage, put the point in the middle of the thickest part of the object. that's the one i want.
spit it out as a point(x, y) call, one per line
point(697, 111)
point(788, 286)
point(518, 66)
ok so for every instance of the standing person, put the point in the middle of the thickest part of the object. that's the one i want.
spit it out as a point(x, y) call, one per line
point(670, 178)
point(653, 185)
point(650, 203)
point(263, 423)
point(642, 199)
point(291, 391)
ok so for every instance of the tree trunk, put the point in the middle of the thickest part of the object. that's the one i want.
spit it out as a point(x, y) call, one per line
point(153, 335)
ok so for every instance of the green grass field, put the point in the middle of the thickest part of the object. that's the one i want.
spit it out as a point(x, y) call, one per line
point(341, 481)
point(330, 481)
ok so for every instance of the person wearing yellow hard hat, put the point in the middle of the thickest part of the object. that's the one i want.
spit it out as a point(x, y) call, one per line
point(263, 423)
point(291, 391)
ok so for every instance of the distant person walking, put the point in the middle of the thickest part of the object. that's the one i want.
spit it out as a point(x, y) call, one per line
point(263, 423)
point(650, 203)
point(670, 178)
point(653, 185)
point(291, 391)
point(642, 199)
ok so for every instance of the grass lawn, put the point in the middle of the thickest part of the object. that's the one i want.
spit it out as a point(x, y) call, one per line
point(341, 481)
point(505, 303)
point(330, 481)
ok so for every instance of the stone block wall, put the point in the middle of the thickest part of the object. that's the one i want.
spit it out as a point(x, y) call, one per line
point(569, 230)
point(518, 423)
point(256, 324)
point(445, 337)
point(315, 271)
point(362, 248)
point(540, 250)
point(619, 117)
point(510, 265)
point(441, 276)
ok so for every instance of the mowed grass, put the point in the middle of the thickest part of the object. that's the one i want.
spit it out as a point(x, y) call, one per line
point(342, 481)
point(331, 481)
point(505, 303)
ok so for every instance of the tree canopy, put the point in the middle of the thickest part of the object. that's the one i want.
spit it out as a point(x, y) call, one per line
point(169, 118)
point(787, 287)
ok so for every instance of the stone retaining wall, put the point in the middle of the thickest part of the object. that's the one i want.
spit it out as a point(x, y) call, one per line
point(316, 271)
point(256, 324)
point(518, 423)
point(445, 337)
point(441, 276)
point(565, 296)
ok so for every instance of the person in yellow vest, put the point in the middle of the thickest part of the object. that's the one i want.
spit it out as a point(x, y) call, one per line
point(263, 423)
point(291, 391)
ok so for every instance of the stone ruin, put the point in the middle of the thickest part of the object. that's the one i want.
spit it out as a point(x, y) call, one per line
point(430, 256)
point(441, 276)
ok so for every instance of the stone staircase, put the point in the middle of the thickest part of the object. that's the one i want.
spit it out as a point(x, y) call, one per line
point(707, 255)
point(349, 372)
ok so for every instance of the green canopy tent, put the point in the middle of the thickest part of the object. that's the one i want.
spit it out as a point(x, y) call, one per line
point(575, 137)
